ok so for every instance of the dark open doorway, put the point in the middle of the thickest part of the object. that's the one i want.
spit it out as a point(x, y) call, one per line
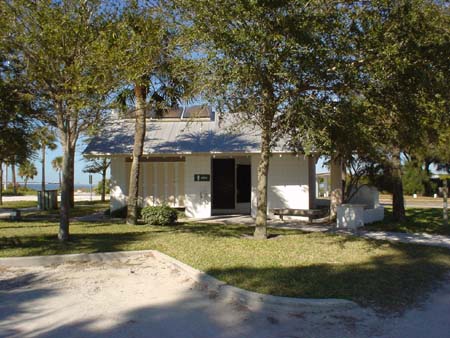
point(223, 184)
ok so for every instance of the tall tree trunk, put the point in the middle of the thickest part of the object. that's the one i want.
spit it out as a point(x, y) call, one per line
point(1, 182)
point(140, 93)
point(6, 176)
point(103, 185)
point(43, 170)
point(398, 203)
point(263, 172)
point(13, 171)
point(72, 177)
point(63, 234)
point(59, 174)
point(26, 183)
point(445, 206)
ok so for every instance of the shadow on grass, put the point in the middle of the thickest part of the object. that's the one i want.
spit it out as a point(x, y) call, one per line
point(386, 280)
point(387, 284)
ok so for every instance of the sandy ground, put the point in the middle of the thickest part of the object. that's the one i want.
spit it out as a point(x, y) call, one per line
point(146, 297)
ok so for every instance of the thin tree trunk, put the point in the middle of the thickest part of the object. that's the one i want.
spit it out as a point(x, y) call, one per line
point(140, 93)
point(398, 203)
point(26, 183)
point(1, 182)
point(59, 174)
point(445, 206)
point(263, 171)
point(13, 171)
point(63, 234)
point(6, 176)
point(43, 170)
point(103, 185)
point(72, 177)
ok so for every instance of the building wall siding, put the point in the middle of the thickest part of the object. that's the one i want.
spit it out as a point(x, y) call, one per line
point(197, 194)
point(287, 182)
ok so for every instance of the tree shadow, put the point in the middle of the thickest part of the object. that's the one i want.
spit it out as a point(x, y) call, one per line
point(386, 284)
point(207, 141)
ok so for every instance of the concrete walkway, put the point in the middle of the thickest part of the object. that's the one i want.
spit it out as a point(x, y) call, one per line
point(411, 238)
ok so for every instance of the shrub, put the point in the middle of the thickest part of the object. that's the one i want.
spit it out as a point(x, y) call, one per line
point(98, 188)
point(160, 215)
point(414, 179)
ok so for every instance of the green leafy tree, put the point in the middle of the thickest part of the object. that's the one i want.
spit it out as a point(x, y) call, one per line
point(401, 58)
point(27, 170)
point(266, 63)
point(59, 45)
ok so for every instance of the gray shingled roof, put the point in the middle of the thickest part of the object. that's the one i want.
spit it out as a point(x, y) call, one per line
point(177, 137)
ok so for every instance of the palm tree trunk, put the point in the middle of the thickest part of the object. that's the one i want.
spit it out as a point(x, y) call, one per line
point(1, 182)
point(398, 203)
point(263, 171)
point(445, 206)
point(26, 182)
point(103, 185)
point(13, 171)
point(43, 170)
point(140, 93)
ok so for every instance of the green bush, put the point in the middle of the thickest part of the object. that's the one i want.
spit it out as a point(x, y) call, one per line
point(160, 215)
point(414, 179)
point(122, 212)
point(98, 188)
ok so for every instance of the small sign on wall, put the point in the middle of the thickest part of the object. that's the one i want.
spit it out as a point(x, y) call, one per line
point(202, 178)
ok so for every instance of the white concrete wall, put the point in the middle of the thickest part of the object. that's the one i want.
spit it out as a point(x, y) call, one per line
point(287, 182)
point(197, 194)
point(119, 185)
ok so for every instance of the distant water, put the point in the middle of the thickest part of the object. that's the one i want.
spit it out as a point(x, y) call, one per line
point(53, 186)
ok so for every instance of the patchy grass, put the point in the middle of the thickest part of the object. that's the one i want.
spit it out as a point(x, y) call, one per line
point(296, 264)
point(18, 204)
point(426, 220)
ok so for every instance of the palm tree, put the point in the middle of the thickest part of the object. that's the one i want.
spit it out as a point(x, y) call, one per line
point(45, 139)
point(57, 164)
point(27, 170)
point(99, 166)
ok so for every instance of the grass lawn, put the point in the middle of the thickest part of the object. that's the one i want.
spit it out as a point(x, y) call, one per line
point(384, 275)
point(18, 204)
point(82, 208)
point(427, 220)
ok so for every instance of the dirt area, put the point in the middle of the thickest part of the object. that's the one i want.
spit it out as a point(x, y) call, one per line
point(142, 296)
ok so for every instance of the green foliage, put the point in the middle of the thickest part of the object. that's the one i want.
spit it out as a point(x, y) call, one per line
point(27, 170)
point(98, 188)
point(159, 215)
point(414, 179)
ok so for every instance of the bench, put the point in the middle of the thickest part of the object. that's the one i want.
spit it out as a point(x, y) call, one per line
point(310, 213)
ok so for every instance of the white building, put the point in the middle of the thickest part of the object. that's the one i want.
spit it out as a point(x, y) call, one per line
point(203, 165)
